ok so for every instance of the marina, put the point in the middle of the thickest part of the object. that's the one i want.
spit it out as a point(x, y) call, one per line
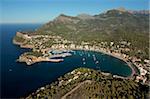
point(42, 73)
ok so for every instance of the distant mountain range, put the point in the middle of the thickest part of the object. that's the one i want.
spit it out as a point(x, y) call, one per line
point(112, 21)
point(146, 12)
point(112, 25)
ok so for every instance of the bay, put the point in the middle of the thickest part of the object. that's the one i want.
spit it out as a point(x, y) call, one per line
point(18, 79)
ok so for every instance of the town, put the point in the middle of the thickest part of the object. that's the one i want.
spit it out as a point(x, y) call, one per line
point(41, 46)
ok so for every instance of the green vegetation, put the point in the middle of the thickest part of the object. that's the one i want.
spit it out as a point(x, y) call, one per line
point(113, 25)
point(34, 53)
point(129, 34)
point(19, 39)
point(49, 43)
point(101, 87)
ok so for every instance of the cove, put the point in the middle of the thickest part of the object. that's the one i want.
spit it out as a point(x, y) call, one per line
point(19, 80)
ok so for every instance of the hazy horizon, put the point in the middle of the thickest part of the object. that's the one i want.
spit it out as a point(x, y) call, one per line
point(42, 11)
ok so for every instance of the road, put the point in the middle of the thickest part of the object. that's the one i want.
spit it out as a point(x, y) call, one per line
point(74, 89)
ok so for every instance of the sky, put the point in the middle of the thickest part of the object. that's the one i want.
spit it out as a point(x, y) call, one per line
point(42, 11)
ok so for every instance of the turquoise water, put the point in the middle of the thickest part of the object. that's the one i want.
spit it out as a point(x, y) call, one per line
point(18, 79)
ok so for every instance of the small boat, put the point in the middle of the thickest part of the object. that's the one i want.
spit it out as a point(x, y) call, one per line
point(80, 54)
point(10, 69)
point(83, 59)
point(84, 62)
point(88, 55)
point(97, 62)
point(94, 59)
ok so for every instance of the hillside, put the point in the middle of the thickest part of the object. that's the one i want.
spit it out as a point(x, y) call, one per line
point(84, 83)
point(113, 25)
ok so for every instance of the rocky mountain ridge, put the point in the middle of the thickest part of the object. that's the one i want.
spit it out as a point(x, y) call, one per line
point(113, 25)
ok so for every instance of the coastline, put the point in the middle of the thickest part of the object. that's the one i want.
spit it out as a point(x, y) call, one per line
point(118, 57)
point(76, 48)
point(89, 77)
point(96, 50)
point(123, 59)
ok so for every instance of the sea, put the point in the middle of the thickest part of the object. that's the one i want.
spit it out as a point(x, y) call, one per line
point(19, 80)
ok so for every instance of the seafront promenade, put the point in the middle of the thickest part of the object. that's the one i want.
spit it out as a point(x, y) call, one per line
point(113, 55)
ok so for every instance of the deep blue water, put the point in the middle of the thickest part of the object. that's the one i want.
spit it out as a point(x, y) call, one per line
point(18, 79)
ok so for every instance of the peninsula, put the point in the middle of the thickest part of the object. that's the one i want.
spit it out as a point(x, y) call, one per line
point(85, 83)
point(119, 33)
point(38, 53)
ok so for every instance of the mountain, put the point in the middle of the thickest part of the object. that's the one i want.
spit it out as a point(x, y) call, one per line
point(84, 16)
point(113, 25)
point(84, 83)
point(146, 12)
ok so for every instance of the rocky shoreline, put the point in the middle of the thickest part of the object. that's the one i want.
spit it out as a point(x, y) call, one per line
point(38, 59)
point(82, 83)
point(31, 59)
point(63, 45)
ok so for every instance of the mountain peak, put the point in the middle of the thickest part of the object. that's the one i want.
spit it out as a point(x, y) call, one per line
point(85, 16)
point(62, 15)
point(122, 9)
point(65, 18)
point(62, 18)
point(115, 12)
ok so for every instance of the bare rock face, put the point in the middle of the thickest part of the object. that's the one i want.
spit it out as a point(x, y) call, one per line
point(145, 12)
point(19, 34)
point(85, 16)
point(122, 9)
point(63, 18)
point(66, 19)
